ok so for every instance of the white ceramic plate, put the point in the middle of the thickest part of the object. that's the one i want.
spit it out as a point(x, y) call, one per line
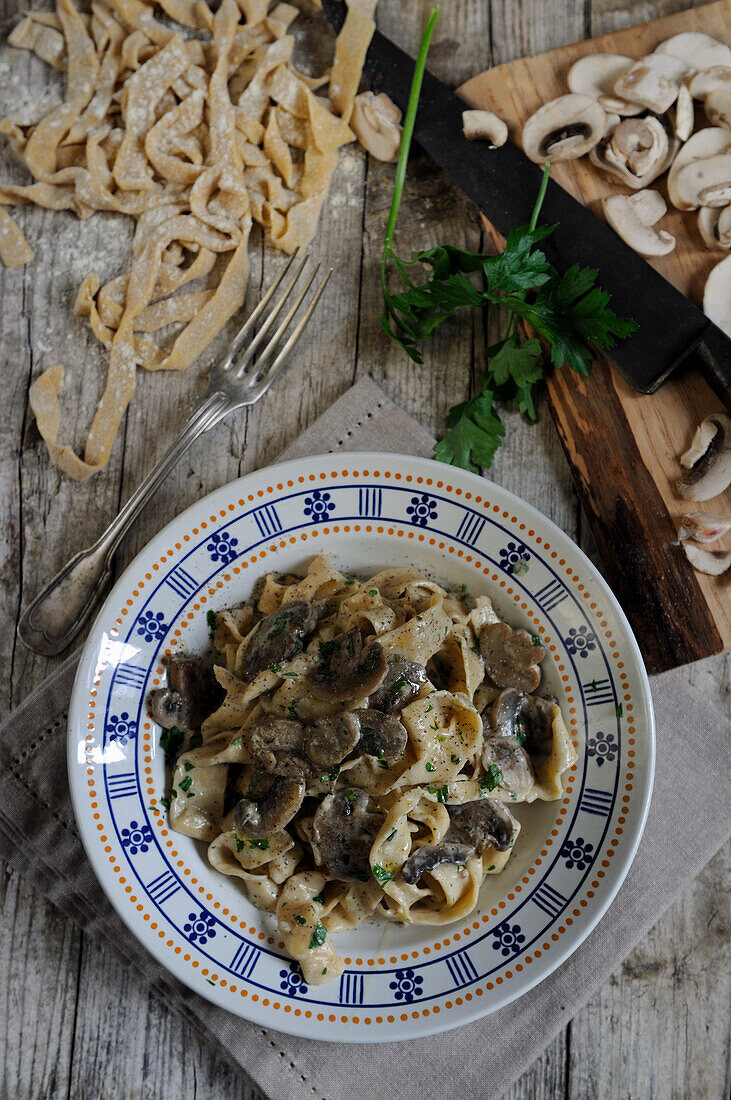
point(367, 511)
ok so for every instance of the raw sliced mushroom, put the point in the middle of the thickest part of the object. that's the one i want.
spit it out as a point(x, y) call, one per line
point(400, 686)
point(381, 735)
point(633, 218)
point(563, 129)
point(189, 697)
point(705, 182)
point(697, 50)
point(718, 107)
point(708, 459)
point(708, 561)
point(473, 826)
point(653, 81)
point(684, 114)
point(428, 856)
point(274, 810)
point(343, 831)
point(376, 122)
point(484, 126)
point(279, 637)
point(636, 152)
point(348, 669)
point(595, 75)
point(276, 744)
point(718, 76)
point(331, 738)
point(709, 227)
point(703, 526)
point(717, 297)
point(614, 104)
point(511, 656)
point(513, 761)
point(700, 146)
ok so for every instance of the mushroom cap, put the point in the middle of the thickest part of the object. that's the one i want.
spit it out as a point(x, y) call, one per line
point(428, 856)
point(400, 686)
point(343, 831)
point(348, 670)
point(614, 104)
point(637, 151)
point(511, 657)
point(482, 823)
point(633, 218)
point(381, 735)
point(375, 121)
point(700, 146)
point(331, 738)
point(276, 744)
point(273, 810)
point(718, 76)
point(684, 114)
point(697, 50)
point(539, 717)
point(484, 126)
point(708, 561)
point(595, 75)
point(563, 129)
point(279, 637)
point(709, 218)
point(718, 107)
point(708, 458)
point(653, 81)
point(514, 763)
point(190, 695)
point(703, 526)
point(705, 182)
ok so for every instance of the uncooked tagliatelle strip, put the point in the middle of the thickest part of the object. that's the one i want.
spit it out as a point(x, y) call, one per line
point(194, 139)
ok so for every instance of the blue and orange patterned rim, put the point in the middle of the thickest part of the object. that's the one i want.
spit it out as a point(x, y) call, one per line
point(383, 509)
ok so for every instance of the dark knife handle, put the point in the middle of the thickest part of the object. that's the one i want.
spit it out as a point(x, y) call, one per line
point(712, 359)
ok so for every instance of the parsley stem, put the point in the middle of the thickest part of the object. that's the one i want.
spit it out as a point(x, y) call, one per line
point(541, 197)
point(409, 122)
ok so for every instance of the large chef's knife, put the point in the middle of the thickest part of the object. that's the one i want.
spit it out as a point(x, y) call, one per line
point(504, 184)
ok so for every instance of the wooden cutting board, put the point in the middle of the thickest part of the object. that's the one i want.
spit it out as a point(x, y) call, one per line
point(623, 447)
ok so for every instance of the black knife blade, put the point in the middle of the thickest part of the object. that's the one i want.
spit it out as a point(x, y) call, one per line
point(504, 184)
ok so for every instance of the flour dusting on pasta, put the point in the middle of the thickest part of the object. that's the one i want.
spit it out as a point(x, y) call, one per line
point(354, 751)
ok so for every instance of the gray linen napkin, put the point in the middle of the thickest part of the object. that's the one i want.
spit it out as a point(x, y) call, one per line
point(38, 836)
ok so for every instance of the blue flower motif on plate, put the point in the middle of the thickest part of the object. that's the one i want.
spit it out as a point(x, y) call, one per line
point(222, 547)
point(515, 558)
point(151, 625)
point(422, 509)
point(604, 747)
point(200, 927)
point(577, 853)
point(580, 641)
point(292, 981)
point(121, 728)
point(318, 505)
point(508, 938)
point(137, 838)
point(407, 985)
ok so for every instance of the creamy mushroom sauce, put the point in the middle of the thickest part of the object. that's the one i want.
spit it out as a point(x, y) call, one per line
point(363, 745)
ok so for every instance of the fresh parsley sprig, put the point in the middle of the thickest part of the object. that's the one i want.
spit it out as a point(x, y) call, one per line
point(567, 312)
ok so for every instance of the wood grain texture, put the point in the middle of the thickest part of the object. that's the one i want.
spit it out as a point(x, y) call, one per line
point(679, 615)
point(74, 1022)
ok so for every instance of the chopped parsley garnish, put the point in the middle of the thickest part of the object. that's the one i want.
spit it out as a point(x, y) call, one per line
point(292, 711)
point(324, 970)
point(396, 686)
point(331, 776)
point(619, 711)
point(429, 766)
point(350, 794)
point(373, 592)
point(239, 843)
point(300, 920)
point(392, 834)
point(520, 735)
point(326, 648)
point(442, 793)
point(196, 740)
point(441, 737)
point(318, 936)
point(592, 685)
point(463, 591)
point(455, 759)
point(381, 874)
point(291, 675)
point(274, 667)
point(237, 741)
point(166, 803)
point(186, 783)
point(319, 898)
point(493, 778)
point(261, 842)
point(430, 707)
point(211, 620)
point(172, 742)
point(536, 639)
point(188, 766)
point(280, 624)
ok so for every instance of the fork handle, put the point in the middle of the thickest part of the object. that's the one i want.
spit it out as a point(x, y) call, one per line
point(59, 612)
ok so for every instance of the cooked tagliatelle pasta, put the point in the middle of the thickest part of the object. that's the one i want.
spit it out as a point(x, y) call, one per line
point(196, 132)
point(355, 752)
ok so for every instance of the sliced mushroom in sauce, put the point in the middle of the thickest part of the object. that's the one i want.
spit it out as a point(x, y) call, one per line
point(276, 744)
point(511, 656)
point(381, 735)
point(473, 826)
point(280, 636)
point(190, 695)
point(400, 686)
point(331, 738)
point(275, 809)
point(528, 719)
point(348, 669)
point(513, 761)
point(343, 831)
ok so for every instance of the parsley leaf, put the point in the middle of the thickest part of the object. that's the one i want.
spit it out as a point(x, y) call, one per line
point(492, 779)
point(318, 936)
point(172, 742)
point(381, 874)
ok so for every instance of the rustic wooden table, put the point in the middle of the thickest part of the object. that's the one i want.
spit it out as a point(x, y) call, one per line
point(74, 1022)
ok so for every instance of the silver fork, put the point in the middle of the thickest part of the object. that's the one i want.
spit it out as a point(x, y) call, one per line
point(57, 615)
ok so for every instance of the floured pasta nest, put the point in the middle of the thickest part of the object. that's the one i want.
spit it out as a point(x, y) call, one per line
point(194, 137)
point(355, 753)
